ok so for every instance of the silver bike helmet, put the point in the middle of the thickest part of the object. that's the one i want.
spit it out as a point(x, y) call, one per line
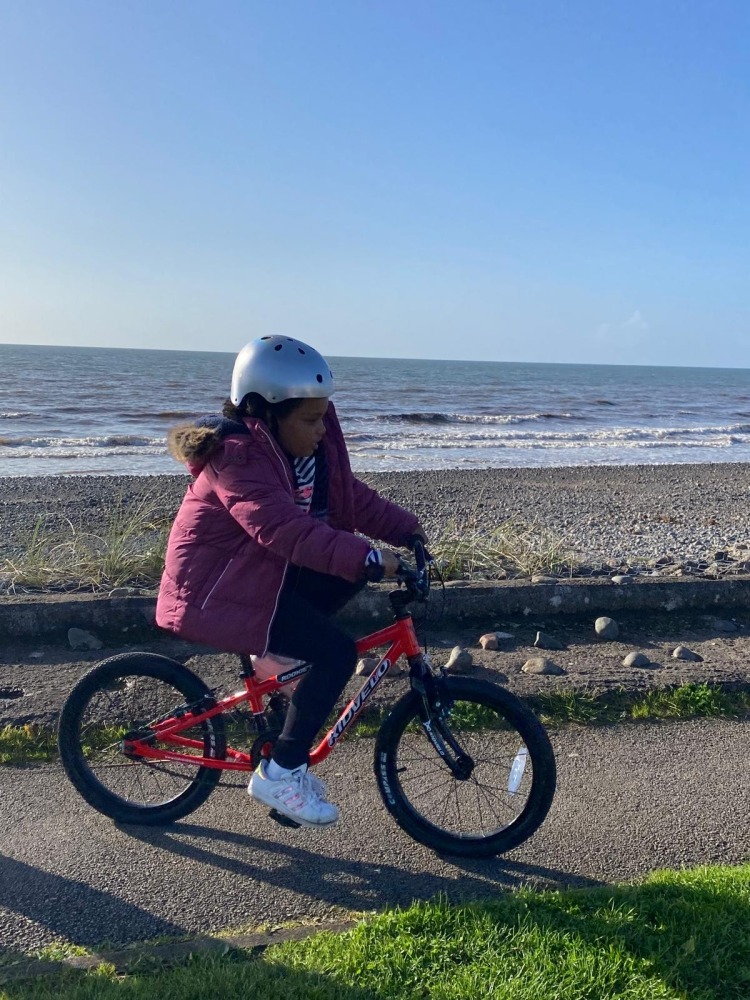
point(280, 368)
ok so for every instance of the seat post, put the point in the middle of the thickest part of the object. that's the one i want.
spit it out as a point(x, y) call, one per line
point(248, 670)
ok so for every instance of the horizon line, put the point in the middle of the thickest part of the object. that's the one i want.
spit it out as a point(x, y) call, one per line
point(369, 357)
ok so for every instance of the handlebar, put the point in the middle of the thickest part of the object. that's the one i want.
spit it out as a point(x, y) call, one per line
point(415, 580)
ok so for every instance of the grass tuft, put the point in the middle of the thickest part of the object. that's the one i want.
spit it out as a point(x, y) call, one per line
point(470, 550)
point(687, 701)
point(128, 550)
point(28, 744)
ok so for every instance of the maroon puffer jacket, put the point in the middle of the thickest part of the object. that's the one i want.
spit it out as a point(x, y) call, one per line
point(238, 528)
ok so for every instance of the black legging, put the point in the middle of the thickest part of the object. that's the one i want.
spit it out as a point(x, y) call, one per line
point(302, 629)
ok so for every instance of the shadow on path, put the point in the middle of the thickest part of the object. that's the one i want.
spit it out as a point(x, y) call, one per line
point(350, 883)
point(57, 904)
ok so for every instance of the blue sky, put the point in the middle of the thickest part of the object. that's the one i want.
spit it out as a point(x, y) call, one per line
point(537, 181)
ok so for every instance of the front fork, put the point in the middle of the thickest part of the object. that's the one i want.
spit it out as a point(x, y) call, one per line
point(429, 682)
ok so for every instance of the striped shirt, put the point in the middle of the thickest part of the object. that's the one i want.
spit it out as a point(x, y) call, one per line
point(311, 483)
point(304, 476)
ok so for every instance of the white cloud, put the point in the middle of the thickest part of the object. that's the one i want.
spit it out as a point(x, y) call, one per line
point(636, 322)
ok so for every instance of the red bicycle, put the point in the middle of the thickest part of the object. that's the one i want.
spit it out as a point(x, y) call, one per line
point(461, 764)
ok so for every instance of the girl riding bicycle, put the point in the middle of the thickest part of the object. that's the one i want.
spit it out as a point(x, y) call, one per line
point(263, 552)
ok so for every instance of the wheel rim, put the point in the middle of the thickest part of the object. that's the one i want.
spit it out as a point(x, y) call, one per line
point(496, 791)
point(126, 704)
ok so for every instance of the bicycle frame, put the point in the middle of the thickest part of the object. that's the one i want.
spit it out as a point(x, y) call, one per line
point(400, 638)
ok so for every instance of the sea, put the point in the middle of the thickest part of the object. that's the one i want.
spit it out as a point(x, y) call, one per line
point(106, 411)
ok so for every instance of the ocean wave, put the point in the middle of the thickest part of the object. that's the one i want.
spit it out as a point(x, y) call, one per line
point(112, 441)
point(436, 417)
point(416, 438)
point(15, 416)
point(521, 444)
point(64, 454)
point(161, 415)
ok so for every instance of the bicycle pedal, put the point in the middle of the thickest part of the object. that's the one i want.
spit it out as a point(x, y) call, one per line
point(283, 820)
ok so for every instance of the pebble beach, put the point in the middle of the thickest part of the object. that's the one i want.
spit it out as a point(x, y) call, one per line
point(660, 519)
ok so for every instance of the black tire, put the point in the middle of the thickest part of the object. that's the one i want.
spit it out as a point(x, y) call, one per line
point(476, 815)
point(105, 704)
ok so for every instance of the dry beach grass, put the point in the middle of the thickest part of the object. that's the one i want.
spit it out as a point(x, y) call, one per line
point(484, 522)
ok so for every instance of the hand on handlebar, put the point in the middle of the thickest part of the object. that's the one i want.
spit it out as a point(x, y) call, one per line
point(418, 535)
point(391, 563)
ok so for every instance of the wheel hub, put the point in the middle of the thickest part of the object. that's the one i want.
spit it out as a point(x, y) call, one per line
point(463, 768)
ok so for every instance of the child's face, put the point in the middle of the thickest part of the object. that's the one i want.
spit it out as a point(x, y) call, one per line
point(300, 432)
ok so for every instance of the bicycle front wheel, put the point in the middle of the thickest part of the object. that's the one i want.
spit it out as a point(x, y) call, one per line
point(128, 694)
point(502, 783)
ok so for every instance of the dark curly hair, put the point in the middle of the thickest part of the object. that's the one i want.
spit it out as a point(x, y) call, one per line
point(255, 405)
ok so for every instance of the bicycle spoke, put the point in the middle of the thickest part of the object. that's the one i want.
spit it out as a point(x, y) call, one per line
point(477, 804)
point(137, 703)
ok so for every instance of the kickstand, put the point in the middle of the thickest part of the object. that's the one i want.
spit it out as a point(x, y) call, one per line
point(284, 820)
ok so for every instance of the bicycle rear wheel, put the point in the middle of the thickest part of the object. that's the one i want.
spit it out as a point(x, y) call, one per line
point(128, 694)
point(506, 775)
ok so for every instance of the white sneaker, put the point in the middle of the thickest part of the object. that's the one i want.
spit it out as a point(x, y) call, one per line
point(298, 795)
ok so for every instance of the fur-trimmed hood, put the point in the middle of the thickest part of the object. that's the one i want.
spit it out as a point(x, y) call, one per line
point(193, 444)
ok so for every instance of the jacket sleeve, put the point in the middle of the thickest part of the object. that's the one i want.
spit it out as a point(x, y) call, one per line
point(377, 517)
point(258, 498)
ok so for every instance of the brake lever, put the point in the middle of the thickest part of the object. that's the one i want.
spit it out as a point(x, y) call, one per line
point(405, 572)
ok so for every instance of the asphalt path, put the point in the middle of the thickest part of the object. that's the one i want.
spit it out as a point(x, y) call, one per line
point(630, 799)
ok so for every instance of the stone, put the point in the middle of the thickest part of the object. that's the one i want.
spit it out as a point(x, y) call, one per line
point(544, 641)
point(489, 641)
point(81, 639)
point(606, 628)
point(620, 579)
point(460, 659)
point(504, 635)
point(637, 660)
point(541, 665)
point(366, 665)
point(723, 626)
point(124, 592)
point(538, 578)
point(684, 653)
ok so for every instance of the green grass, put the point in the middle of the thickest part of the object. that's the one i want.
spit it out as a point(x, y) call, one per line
point(32, 744)
point(675, 936)
point(688, 701)
point(29, 744)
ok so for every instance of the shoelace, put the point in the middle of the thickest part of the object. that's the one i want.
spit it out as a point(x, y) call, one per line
point(318, 786)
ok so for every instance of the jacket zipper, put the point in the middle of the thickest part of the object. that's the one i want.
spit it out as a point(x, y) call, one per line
point(217, 583)
point(284, 465)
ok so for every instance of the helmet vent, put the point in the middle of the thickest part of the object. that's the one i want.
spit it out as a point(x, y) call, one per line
point(319, 378)
point(300, 350)
point(265, 338)
point(278, 347)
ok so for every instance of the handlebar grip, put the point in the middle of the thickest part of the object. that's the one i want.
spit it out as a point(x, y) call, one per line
point(421, 555)
point(374, 572)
